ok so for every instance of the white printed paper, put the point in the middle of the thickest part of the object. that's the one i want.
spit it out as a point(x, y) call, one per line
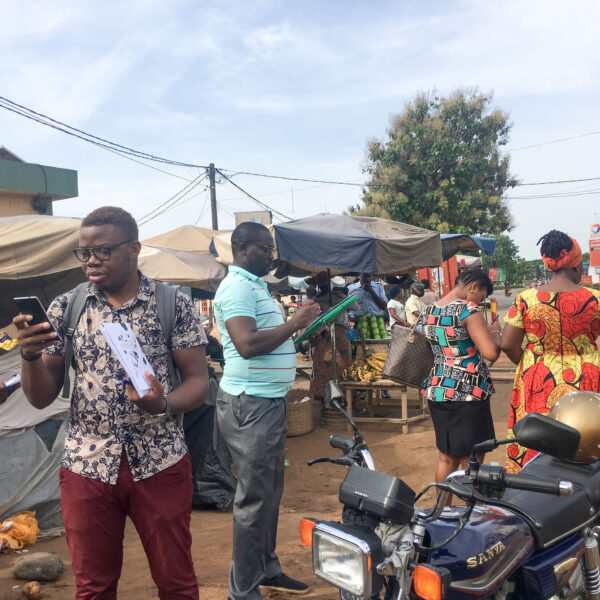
point(124, 344)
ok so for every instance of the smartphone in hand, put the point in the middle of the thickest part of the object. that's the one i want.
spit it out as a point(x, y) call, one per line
point(31, 305)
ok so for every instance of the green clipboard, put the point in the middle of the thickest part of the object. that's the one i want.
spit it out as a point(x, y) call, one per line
point(323, 320)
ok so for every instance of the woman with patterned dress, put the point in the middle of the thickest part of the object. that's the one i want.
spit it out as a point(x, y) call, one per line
point(561, 321)
point(459, 387)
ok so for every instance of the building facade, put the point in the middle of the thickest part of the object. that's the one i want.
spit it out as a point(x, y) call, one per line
point(30, 189)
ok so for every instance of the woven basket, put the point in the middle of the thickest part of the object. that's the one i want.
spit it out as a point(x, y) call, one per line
point(299, 418)
point(372, 346)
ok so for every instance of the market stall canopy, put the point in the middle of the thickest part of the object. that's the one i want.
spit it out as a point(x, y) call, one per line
point(188, 237)
point(196, 239)
point(347, 243)
point(468, 262)
point(221, 247)
point(284, 284)
point(453, 243)
point(295, 284)
point(182, 267)
point(36, 259)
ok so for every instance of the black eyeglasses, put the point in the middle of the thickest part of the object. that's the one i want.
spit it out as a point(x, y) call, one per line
point(100, 252)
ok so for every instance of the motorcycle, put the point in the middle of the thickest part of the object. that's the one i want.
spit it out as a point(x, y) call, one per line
point(507, 291)
point(519, 536)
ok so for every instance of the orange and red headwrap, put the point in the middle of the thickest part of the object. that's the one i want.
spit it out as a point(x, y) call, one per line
point(566, 259)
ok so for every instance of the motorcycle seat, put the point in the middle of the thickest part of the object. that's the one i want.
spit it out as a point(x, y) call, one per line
point(558, 516)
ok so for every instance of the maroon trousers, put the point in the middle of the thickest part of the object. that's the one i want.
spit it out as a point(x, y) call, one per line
point(160, 506)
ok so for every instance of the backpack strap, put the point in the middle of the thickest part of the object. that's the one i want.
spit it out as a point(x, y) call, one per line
point(166, 307)
point(71, 317)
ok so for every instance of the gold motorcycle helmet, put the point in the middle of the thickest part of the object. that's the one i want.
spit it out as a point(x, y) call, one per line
point(581, 410)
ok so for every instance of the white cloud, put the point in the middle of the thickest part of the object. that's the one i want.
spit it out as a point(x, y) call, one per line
point(293, 89)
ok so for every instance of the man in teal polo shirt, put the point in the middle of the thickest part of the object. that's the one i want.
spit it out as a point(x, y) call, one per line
point(260, 368)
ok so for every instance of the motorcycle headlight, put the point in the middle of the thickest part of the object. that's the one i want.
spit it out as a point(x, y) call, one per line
point(346, 556)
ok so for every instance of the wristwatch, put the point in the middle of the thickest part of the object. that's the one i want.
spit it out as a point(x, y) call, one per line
point(167, 411)
point(29, 357)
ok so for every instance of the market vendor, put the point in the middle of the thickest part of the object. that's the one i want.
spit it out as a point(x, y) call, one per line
point(396, 308)
point(369, 294)
point(414, 305)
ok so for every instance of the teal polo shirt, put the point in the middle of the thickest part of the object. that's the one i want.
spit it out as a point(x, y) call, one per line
point(242, 294)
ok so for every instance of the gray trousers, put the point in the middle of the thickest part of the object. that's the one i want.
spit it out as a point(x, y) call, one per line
point(253, 431)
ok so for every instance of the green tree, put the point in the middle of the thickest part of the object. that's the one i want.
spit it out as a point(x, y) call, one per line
point(505, 256)
point(441, 167)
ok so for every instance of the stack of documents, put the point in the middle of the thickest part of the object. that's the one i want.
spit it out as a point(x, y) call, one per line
point(121, 339)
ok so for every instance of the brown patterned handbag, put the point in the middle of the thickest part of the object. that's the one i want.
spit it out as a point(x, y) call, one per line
point(410, 357)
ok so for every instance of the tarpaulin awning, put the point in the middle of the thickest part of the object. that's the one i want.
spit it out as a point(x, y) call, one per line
point(181, 267)
point(36, 259)
point(453, 243)
point(36, 245)
point(221, 247)
point(196, 239)
point(285, 284)
point(347, 243)
point(187, 237)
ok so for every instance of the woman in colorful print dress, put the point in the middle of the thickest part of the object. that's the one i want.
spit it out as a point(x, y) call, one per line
point(459, 387)
point(561, 321)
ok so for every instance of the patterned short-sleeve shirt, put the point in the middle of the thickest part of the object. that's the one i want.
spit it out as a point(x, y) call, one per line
point(459, 372)
point(102, 422)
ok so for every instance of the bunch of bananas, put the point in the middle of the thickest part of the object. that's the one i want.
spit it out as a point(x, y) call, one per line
point(8, 344)
point(366, 370)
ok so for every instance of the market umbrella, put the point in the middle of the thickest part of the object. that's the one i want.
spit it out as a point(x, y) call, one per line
point(182, 267)
point(453, 243)
point(36, 259)
point(196, 239)
point(347, 243)
point(221, 247)
point(187, 237)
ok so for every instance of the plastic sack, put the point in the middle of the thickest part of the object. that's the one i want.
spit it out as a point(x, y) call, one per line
point(18, 531)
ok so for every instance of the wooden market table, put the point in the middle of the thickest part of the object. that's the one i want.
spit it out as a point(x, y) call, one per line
point(378, 385)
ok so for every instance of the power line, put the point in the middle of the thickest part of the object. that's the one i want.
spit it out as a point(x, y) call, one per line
point(565, 139)
point(204, 206)
point(262, 204)
point(560, 181)
point(172, 206)
point(126, 151)
point(301, 179)
point(139, 162)
point(224, 209)
point(170, 203)
point(83, 135)
point(174, 197)
point(300, 189)
point(551, 196)
point(184, 199)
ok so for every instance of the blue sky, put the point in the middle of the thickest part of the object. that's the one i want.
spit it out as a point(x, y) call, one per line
point(295, 88)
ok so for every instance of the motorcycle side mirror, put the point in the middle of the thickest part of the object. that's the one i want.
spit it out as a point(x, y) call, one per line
point(334, 392)
point(544, 434)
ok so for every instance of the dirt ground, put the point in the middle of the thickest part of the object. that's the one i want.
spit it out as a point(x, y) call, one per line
point(309, 491)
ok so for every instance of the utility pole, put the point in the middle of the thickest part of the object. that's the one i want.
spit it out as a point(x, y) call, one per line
point(213, 195)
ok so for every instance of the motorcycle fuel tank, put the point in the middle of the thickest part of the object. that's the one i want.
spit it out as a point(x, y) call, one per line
point(490, 546)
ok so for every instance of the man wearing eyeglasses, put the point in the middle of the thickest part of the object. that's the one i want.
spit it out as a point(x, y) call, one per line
point(124, 455)
point(260, 368)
